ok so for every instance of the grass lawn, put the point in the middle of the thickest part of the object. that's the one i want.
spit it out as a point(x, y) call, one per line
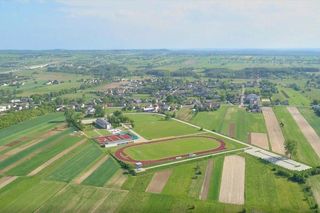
point(103, 173)
point(154, 151)
point(73, 166)
point(291, 131)
point(266, 192)
point(153, 126)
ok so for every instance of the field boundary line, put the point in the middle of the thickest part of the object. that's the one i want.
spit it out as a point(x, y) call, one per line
point(7, 180)
point(194, 158)
point(206, 182)
point(94, 167)
point(55, 158)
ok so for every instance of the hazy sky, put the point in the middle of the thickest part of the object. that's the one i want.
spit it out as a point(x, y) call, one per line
point(120, 24)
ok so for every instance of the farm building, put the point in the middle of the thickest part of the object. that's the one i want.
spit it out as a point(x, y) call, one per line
point(114, 140)
point(103, 123)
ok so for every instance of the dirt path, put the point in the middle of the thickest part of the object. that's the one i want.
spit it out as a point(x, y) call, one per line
point(55, 158)
point(117, 180)
point(232, 128)
point(274, 131)
point(259, 139)
point(6, 180)
point(307, 130)
point(81, 178)
point(158, 181)
point(233, 180)
point(206, 183)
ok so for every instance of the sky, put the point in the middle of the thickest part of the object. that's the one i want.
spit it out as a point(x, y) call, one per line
point(151, 24)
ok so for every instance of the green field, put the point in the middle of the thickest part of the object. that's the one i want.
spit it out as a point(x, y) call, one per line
point(73, 166)
point(103, 173)
point(60, 144)
point(311, 117)
point(154, 151)
point(33, 125)
point(266, 192)
point(291, 131)
point(153, 126)
point(314, 182)
point(214, 188)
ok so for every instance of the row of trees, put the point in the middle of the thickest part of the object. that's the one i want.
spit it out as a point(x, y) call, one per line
point(73, 119)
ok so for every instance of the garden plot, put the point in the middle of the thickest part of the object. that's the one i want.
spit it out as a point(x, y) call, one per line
point(158, 181)
point(259, 139)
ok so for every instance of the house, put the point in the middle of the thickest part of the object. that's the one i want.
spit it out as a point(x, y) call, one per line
point(90, 110)
point(103, 123)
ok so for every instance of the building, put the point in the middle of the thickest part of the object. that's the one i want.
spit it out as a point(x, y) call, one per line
point(103, 123)
point(114, 140)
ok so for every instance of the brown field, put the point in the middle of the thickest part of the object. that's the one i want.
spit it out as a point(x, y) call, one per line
point(158, 181)
point(233, 180)
point(57, 157)
point(306, 129)
point(6, 180)
point(259, 139)
point(274, 131)
point(232, 128)
point(83, 176)
point(206, 183)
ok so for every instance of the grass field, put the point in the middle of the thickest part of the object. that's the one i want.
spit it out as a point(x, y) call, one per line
point(266, 192)
point(291, 131)
point(153, 126)
point(154, 151)
point(60, 144)
point(33, 125)
point(314, 181)
point(103, 173)
point(31, 150)
point(27, 194)
point(311, 117)
point(73, 166)
point(214, 188)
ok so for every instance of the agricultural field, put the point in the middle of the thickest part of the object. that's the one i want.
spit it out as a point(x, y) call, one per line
point(152, 126)
point(291, 131)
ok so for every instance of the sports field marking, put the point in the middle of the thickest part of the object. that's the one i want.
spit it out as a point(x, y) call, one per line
point(55, 158)
point(117, 180)
point(233, 180)
point(259, 139)
point(83, 176)
point(6, 180)
point(158, 181)
point(274, 131)
point(206, 182)
point(308, 132)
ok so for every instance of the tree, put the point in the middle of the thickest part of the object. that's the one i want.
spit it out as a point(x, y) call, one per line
point(99, 111)
point(290, 147)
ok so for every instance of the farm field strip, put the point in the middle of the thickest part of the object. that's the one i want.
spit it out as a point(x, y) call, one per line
point(6, 180)
point(215, 180)
point(103, 173)
point(18, 158)
point(259, 139)
point(87, 173)
point(117, 180)
point(75, 165)
point(315, 186)
point(55, 158)
point(274, 131)
point(233, 180)
point(158, 181)
point(28, 145)
point(308, 132)
point(206, 183)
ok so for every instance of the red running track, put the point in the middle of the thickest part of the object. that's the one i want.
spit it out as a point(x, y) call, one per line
point(121, 155)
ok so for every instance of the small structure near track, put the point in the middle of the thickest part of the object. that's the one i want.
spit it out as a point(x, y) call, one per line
point(114, 140)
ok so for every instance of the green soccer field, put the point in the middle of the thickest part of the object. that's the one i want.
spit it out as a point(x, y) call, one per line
point(154, 151)
point(153, 126)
